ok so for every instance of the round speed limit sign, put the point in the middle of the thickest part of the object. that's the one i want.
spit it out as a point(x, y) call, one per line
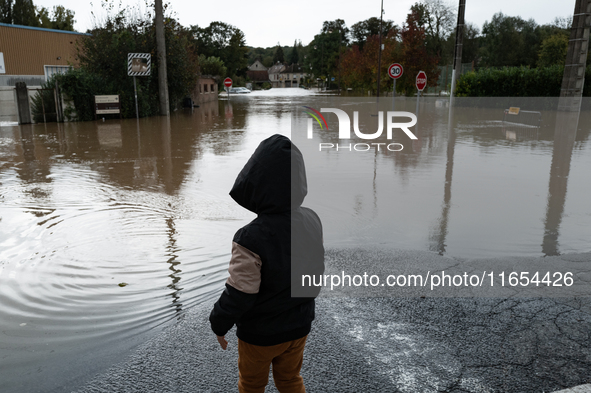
point(395, 71)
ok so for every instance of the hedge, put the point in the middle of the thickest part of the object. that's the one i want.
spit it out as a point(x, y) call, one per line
point(516, 82)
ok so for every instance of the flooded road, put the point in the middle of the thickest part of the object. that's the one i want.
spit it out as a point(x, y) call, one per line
point(110, 230)
point(470, 186)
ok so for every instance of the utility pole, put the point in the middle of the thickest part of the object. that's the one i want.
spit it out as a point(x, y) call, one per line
point(380, 48)
point(458, 49)
point(573, 79)
point(161, 46)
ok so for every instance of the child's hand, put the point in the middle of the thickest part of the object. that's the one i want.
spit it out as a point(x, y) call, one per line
point(223, 342)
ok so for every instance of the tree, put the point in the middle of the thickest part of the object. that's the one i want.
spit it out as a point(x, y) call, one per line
point(63, 18)
point(302, 52)
point(440, 21)
point(23, 13)
point(337, 28)
point(470, 47)
point(361, 31)
point(510, 41)
point(225, 41)
point(337, 25)
point(294, 56)
point(278, 57)
point(43, 18)
point(235, 54)
point(60, 18)
point(324, 50)
point(211, 66)
point(103, 60)
point(360, 65)
point(553, 50)
point(563, 22)
point(214, 38)
point(414, 53)
point(6, 11)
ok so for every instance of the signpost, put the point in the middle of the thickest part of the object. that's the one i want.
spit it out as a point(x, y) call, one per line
point(138, 64)
point(395, 71)
point(104, 105)
point(228, 85)
point(421, 83)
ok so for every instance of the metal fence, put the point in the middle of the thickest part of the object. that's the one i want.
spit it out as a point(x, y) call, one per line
point(30, 80)
point(444, 82)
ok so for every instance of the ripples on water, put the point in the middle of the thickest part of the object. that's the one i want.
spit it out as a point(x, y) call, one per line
point(110, 229)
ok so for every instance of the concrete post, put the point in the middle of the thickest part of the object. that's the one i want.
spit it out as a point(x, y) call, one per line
point(162, 74)
point(573, 80)
point(458, 48)
point(22, 103)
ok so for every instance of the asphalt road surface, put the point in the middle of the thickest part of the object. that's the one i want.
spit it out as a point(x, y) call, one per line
point(387, 344)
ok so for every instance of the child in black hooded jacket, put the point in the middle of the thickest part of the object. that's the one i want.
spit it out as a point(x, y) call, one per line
point(269, 256)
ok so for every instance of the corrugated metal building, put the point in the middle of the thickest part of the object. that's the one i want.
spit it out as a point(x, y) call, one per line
point(32, 54)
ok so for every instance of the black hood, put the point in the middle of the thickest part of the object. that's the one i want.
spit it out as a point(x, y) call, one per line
point(274, 178)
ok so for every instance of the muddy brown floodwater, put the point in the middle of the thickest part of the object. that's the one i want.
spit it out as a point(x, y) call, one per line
point(109, 230)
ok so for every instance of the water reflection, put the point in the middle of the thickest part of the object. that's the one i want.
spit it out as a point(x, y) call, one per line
point(438, 239)
point(498, 172)
point(172, 251)
point(33, 155)
point(564, 141)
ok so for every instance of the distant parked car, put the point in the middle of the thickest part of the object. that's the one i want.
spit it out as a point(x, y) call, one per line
point(239, 90)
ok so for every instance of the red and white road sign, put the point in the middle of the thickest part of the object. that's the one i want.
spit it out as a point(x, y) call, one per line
point(395, 71)
point(421, 80)
point(228, 82)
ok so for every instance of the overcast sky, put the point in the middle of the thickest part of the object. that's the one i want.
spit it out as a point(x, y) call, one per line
point(266, 23)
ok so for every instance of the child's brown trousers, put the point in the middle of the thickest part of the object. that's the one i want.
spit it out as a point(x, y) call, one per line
point(254, 362)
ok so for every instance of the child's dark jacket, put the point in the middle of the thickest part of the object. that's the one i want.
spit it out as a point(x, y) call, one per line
point(257, 297)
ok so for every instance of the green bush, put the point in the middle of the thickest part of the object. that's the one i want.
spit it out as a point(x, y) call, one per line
point(516, 82)
point(511, 82)
point(43, 103)
point(80, 86)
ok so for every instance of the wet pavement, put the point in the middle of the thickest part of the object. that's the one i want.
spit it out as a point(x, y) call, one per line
point(387, 345)
point(116, 233)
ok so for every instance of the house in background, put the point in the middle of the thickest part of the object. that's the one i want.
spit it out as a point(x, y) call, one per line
point(257, 66)
point(258, 73)
point(206, 90)
point(292, 76)
point(275, 74)
point(282, 75)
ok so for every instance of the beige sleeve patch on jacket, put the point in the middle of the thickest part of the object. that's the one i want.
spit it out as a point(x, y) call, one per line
point(245, 269)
